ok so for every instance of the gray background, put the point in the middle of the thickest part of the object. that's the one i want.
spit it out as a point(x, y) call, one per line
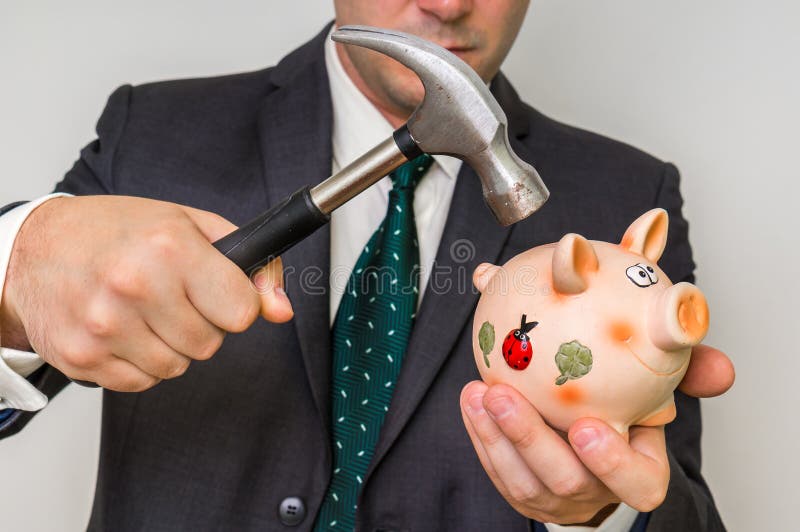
point(712, 86)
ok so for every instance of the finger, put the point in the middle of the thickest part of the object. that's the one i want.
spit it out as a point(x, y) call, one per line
point(215, 285)
point(117, 328)
point(710, 373)
point(213, 226)
point(268, 282)
point(181, 327)
point(219, 290)
point(541, 447)
point(163, 323)
point(508, 466)
point(116, 374)
point(637, 472)
point(152, 355)
point(478, 388)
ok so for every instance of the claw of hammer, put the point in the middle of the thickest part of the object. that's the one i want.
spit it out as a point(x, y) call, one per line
point(457, 100)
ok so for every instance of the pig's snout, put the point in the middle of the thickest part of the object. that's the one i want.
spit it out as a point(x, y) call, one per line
point(678, 317)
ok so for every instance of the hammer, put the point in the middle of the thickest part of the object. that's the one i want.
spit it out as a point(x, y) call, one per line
point(456, 100)
point(458, 116)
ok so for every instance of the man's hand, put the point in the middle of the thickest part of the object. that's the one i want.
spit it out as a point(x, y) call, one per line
point(126, 291)
point(552, 480)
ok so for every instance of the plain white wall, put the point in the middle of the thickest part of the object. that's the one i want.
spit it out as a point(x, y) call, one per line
point(711, 86)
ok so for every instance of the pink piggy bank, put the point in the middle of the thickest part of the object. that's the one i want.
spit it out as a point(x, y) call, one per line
point(590, 329)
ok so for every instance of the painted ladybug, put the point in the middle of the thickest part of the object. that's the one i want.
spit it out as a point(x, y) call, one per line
point(517, 348)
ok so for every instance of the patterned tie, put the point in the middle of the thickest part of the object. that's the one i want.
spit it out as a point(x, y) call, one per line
point(370, 336)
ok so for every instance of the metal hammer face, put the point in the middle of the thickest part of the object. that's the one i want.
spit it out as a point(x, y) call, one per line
point(458, 116)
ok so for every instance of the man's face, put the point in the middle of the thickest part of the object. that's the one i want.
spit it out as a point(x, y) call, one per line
point(481, 32)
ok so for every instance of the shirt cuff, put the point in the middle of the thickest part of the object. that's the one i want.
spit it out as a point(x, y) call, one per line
point(15, 391)
point(621, 520)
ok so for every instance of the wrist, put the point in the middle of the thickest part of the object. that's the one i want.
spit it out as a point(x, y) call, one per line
point(26, 234)
point(12, 332)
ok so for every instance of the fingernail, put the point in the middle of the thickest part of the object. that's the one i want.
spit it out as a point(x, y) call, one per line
point(475, 403)
point(500, 407)
point(587, 438)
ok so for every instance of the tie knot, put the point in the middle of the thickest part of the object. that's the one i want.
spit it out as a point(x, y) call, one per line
point(409, 175)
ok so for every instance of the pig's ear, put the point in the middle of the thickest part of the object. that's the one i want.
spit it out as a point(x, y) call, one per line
point(483, 274)
point(647, 236)
point(573, 261)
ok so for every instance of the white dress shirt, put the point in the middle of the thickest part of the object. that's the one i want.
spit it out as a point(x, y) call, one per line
point(357, 127)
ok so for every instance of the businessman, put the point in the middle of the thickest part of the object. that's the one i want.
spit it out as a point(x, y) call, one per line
point(113, 280)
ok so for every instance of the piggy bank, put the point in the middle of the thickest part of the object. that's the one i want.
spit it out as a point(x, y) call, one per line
point(590, 329)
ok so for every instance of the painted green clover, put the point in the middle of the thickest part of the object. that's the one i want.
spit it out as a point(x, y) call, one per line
point(573, 360)
point(486, 340)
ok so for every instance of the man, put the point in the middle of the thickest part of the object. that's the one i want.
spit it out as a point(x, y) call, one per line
point(126, 292)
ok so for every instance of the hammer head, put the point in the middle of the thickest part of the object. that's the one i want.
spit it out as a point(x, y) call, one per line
point(458, 116)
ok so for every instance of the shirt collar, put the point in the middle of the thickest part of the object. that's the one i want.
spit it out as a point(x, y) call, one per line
point(358, 126)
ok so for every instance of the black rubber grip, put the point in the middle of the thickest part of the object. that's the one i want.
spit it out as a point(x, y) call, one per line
point(406, 143)
point(267, 236)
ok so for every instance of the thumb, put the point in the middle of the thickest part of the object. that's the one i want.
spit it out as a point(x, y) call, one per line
point(213, 226)
point(710, 373)
point(634, 467)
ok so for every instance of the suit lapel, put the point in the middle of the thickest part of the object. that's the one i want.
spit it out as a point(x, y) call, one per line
point(295, 124)
point(471, 236)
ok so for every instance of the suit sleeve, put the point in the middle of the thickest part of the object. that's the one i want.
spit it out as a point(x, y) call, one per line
point(689, 504)
point(92, 174)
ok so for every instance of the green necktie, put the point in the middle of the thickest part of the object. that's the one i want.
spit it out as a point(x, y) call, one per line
point(369, 337)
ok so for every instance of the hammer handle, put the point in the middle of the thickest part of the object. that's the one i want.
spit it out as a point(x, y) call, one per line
point(273, 232)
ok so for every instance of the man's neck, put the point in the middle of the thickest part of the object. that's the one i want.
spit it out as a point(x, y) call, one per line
point(395, 118)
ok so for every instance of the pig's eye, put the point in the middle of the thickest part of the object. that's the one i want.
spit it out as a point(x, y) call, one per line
point(639, 275)
point(651, 272)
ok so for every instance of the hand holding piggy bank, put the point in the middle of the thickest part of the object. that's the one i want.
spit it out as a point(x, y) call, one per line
point(590, 329)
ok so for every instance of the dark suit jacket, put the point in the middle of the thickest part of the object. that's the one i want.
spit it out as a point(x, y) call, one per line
point(222, 446)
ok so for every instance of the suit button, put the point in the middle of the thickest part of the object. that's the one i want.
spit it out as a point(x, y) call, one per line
point(292, 511)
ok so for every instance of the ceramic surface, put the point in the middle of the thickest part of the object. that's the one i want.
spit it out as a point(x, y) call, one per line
point(587, 328)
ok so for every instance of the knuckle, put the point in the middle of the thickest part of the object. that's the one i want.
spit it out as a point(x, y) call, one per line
point(81, 355)
point(652, 499)
point(139, 384)
point(177, 369)
point(101, 322)
point(210, 347)
point(524, 440)
point(165, 242)
point(126, 280)
point(523, 490)
point(493, 438)
point(246, 314)
point(569, 487)
point(127, 382)
point(165, 366)
point(610, 466)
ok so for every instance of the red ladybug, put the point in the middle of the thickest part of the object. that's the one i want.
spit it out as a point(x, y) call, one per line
point(517, 348)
